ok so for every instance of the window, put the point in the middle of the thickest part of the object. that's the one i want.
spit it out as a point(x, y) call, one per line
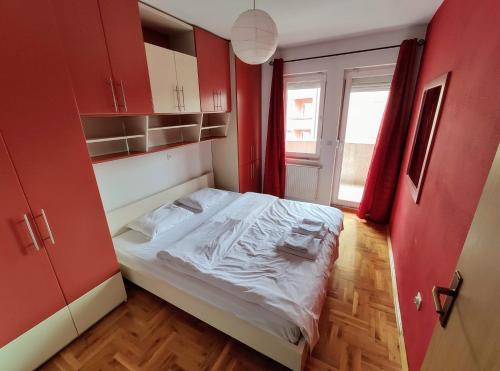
point(304, 96)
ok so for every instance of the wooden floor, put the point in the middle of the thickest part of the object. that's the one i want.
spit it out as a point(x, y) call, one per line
point(357, 325)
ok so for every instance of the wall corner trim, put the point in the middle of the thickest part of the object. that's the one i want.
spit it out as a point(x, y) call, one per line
point(402, 347)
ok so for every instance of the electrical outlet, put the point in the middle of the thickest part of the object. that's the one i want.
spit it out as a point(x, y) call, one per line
point(417, 300)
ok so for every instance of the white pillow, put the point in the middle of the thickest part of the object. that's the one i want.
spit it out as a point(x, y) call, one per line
point(160, 220)
point(201, 200)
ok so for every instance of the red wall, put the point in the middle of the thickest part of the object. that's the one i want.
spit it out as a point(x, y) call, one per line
point(464, 38)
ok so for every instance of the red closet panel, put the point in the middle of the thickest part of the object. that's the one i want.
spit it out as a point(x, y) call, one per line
point(248, 102)
point(41, 127)
point(86, 53)
point(256, 181)
point(245, 177)
point(122, 28)
point(29, 291)
point(212, 53)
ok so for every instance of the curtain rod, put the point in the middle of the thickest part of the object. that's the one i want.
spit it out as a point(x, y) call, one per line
point(420, 42)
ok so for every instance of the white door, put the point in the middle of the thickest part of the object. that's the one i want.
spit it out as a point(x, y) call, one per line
point(163, 79)
point(365, 95)
point(471, 339)
point(187, 80)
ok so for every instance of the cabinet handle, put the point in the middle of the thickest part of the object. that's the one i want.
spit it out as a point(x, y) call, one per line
point(214, 100)
point(178, 105)
point(183, 103)
point(113, 93)
point(51, 236)
point(123, 96)
point(30, 230)
point(220, 100)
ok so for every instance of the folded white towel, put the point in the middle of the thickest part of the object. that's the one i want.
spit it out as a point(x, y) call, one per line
point(308, 227)
point(310, 254)
point(306, 247)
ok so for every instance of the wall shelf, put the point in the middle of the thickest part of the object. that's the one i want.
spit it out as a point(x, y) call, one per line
point(207, 127)
point(110, 139)
point(118, 137)
point(172, 127)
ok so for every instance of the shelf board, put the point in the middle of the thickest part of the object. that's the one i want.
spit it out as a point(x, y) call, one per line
point(109, 139)
point(213, 126)
point(115, 156)
point(212, 137)
point(164, 147)
point(172, 127)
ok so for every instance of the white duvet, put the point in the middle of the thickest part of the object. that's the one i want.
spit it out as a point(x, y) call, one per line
point(236, 251)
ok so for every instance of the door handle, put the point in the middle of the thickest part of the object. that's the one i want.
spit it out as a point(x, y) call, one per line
point(51, 236)
point(451, 294)
point(113, 93)
point(30, 231)
point(123, 96)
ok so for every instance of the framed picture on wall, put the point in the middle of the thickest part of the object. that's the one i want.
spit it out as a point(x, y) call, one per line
point(427, 123)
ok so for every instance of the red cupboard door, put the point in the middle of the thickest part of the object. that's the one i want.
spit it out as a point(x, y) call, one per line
point(29, 290)
point(248, 104)
point(256, 176)
point(42, 130)
point(245, 178)
point(123, 32)
point(86, 53)
point(212, 54)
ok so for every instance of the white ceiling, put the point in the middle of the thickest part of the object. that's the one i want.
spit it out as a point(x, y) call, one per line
point(305, 21)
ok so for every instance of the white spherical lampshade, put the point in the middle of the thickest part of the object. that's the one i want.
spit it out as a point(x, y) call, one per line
point(254, 36)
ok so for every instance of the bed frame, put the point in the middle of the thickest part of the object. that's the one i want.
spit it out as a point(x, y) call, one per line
point(275, 347)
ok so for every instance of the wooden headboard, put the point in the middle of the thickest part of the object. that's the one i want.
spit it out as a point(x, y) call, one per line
point(119, 218)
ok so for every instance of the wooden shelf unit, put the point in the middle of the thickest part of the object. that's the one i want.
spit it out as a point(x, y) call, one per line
point(214, 125)
point(118, 137)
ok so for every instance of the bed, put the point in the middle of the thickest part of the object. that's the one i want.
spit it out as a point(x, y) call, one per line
point(256, 300)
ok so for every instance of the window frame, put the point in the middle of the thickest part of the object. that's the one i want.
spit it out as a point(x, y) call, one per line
point(305, 78)
point(416, 189)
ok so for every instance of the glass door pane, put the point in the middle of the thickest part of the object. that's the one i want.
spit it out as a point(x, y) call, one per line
point(366, 108)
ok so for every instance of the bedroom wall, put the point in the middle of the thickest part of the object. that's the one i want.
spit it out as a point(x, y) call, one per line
point(334, 68)
point(124, 181)
point(427, 238)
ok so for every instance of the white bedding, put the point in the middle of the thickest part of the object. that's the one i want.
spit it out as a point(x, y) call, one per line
point(137, 252)
point(235, 251)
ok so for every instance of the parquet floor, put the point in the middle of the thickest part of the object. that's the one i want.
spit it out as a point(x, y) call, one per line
point(357, 326)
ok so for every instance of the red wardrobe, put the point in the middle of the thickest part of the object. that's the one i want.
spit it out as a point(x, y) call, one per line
point(56, 256)
point(248, 106)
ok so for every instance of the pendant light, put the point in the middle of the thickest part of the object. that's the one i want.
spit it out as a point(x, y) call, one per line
point(254, 36)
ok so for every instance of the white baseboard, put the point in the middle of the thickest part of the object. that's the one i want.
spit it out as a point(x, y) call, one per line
point(402, 347)
point(95, 304)
point(38, 344)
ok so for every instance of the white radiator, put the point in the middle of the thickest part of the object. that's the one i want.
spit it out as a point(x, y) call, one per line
point(302, 182)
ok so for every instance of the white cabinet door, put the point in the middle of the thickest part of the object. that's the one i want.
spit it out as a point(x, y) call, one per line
point(162, 78)
point(187, 79)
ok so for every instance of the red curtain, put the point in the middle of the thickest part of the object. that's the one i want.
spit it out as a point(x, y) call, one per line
point(275, 168)
point(380, 187)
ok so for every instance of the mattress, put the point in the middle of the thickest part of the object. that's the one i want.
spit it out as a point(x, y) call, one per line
point(136, 252)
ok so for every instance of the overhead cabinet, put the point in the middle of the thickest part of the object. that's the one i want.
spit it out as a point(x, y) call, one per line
point(212, 54)
point(174, 80)
point(104, 51)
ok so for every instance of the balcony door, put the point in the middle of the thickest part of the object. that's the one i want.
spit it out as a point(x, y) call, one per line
point(365, 96)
